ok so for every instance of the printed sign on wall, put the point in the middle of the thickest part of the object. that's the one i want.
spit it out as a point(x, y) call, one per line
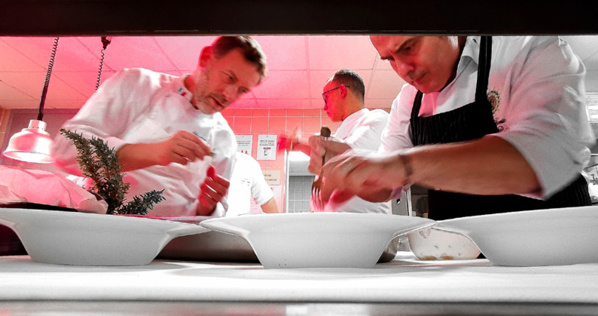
point(272, 177)
point(266, 147)
point(244, 143)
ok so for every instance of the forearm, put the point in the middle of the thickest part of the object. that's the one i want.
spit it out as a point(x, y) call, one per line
point(270, 206)
point(488, 166)
point(335, 146)
point(302, 147)
point(137, 156)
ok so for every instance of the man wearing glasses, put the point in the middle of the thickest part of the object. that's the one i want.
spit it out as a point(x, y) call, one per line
point(361, 129)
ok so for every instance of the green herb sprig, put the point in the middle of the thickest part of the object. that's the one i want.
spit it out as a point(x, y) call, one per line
point(99, 162)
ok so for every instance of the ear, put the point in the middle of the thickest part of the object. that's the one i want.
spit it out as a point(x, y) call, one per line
point(343, 90)
point(206, 54)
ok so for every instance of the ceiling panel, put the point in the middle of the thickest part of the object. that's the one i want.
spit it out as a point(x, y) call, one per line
point(285, 52)
point(336, 52)
point(287, 84)
point(183, 51)
point(299, 67)
point(385, 84)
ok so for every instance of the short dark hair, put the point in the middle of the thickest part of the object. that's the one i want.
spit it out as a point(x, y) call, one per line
point(250, 48)
point(350, 78)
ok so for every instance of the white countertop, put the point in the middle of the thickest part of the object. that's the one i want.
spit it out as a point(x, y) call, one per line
point(404, 279)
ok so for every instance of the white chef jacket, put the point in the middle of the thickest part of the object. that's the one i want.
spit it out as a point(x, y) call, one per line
point(247, 183)
point(361, 130)
point(537, 89)
point(142, 106)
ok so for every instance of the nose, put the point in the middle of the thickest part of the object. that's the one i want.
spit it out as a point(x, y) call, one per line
point(230, 92)
point(402, 69)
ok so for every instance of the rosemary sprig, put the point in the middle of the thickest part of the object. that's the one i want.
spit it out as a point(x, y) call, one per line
point(100, 163)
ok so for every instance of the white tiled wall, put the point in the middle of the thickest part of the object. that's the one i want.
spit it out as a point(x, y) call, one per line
point(299, 193)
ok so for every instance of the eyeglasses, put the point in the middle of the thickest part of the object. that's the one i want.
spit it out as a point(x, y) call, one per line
point(327, 91)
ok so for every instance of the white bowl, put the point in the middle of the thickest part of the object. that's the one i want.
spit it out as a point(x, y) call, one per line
point(309, 240)
point(434, 244)
point(74, 238)
point(533, 238)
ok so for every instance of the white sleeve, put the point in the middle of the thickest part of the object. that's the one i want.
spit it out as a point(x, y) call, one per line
point(547, 119)
point(367, 136)
point(396, 134)
point(260, 190)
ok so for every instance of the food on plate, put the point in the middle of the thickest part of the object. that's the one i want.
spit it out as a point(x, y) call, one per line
point(435, 244)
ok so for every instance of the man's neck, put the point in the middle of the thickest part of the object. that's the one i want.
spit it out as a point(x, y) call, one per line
point(189, 82)
point(355, 107)
point(461, 40)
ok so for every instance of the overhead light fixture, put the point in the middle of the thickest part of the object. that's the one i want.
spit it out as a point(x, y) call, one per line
point(32, 144)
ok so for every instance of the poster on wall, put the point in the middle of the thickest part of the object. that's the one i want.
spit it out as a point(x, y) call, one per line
point(266, 147)
point(272, 177)
point(244, 143)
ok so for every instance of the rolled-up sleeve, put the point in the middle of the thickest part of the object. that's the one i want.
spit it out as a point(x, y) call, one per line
point(396, 133)
point(547, 118)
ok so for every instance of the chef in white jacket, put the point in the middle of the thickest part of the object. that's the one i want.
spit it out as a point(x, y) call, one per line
point(167, 131)
point(489, 124)
point(361, 129)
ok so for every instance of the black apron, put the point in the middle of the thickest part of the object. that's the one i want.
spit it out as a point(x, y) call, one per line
point(470, 122)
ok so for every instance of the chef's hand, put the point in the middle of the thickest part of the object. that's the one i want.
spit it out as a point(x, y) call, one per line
point(212, 190)
point(181, 148)
point(286, 142)
point(320, 146)
point(372, 177)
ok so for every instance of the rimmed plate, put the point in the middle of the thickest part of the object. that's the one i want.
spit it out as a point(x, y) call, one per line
point(75, 238)
point(307, 240)
point(533, 238)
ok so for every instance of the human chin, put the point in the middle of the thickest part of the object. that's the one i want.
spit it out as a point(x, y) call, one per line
point(427, 86)
point(204, 106)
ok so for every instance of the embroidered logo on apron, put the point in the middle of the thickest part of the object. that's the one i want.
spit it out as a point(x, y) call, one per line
point(494, 99)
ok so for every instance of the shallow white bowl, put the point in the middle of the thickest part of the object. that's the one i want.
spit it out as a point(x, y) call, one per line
point(533, 238)
point(434, 244)
point(74, 238)
point(309, 240)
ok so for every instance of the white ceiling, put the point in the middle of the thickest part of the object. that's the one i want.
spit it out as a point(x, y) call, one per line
point(298, 67)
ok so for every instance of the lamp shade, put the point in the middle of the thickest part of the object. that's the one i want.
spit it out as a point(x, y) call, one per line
point(32, 144)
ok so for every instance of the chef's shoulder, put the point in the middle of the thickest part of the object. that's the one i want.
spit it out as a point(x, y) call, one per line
point(378, 115)
point(521, 49)
point(139, 79)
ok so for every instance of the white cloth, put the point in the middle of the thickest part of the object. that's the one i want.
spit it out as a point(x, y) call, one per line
point(141, 106)
point(403, 280)
point(246, 184)
point(44, 187)
point(361, 130)
point(537, 89)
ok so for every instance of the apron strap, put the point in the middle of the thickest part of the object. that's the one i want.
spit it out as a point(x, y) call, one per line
point(484, 68)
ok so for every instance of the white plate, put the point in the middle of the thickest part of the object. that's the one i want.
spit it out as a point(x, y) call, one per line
point(533, 238)
point(307, 240)
point(75, 238)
